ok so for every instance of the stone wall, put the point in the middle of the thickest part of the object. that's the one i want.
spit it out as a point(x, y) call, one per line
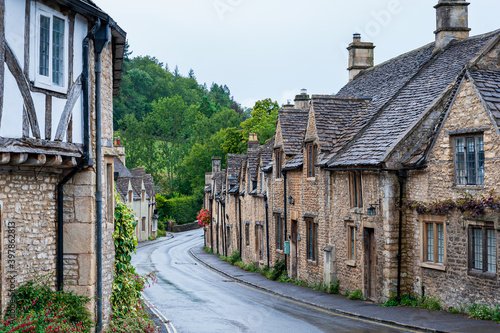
point(454, 284)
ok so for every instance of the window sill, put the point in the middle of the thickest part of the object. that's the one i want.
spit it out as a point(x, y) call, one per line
point(468, 187)
point(431, 265)
point(280, 251)
point(312, 262)
point(481, 274)
point(351, 263)
point(311, 179)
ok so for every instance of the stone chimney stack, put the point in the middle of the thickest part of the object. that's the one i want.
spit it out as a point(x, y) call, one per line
point(360, 56)
point(302, 100)
point(452, 21)
point(253, 141)
point(215, 164)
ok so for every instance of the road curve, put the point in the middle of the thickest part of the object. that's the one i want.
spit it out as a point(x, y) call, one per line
point(197, 299)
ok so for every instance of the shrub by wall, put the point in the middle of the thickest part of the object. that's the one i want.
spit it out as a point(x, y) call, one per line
point(182, 209)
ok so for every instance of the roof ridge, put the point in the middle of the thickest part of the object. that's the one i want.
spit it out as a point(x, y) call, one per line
point(433, 57)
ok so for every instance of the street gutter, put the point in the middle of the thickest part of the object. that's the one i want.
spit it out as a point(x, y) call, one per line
point(384, 321)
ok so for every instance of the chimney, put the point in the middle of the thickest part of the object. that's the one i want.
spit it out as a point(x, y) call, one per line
point(288, 106)
point(302, 100)
point(360, 56)
point(215, 164)
point(253, 141)
point(452, 21)
point(119, 149)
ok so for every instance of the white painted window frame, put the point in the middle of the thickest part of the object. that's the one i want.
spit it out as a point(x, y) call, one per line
point(40, 81)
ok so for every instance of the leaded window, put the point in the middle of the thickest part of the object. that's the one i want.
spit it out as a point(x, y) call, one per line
point(469, 160)
point(483, 249)
point(312, 239)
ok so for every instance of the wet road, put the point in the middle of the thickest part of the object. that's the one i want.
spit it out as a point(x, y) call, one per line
point(197, 299)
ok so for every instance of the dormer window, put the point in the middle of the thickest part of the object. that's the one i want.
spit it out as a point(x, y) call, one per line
point(49, 45)
point(469, 160)
point(277, 163)
point(311, 160)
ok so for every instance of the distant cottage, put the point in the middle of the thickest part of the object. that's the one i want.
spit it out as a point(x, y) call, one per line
point(61, 66)
point(422, 127)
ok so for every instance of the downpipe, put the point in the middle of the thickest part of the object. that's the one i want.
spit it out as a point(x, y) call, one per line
point(284, 214)
point(267, 228)
point(241, 236)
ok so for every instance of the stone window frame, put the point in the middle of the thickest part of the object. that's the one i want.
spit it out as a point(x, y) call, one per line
point(311, 156)
point(473, 134)
point(143, 226)
point(278, 162)
point(279, 232)
point(484, 273)
point(259, 230)
point(355, 189)
point(435, 221)
point(311, 239)
point(352, 251)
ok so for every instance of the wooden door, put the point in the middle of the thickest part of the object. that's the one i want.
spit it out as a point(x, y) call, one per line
point(294, 258)
point(370, 263)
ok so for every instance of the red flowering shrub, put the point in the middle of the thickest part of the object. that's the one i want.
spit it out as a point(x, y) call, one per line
point(204, 218)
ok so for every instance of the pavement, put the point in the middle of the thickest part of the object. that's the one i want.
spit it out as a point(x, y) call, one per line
point(413, 318)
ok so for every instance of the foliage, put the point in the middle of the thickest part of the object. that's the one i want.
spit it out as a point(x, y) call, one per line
point(356, 295)
point(301, 283)
point(284, 278)
point(425, 302)
point(484, 312)
point(35, 307)
point(140, 323)
point(127, 285)
point(161, 233)
point(277, 270)
point(466, 204)
point(182, 209)
point(208, 250)
point(204, 218)
point(263, 120)
point(334, 287)
point(234, 257)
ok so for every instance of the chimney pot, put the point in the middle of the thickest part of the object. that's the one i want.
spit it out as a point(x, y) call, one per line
point(356, 37)
point(302, 100)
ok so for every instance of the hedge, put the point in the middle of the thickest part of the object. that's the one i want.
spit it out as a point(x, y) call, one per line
point(182, 209)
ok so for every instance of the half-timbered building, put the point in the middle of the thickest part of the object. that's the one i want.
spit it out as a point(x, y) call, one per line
point(61, 66)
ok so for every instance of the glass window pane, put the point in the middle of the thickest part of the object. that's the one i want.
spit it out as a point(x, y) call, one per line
point(430, 242)
point(460, 161)
point(480, 160)
point(440, 230)
point(57, 51)
point(491, 250)
point(478, 248)
point(43, 68)
point(471, 161)
point(352, 244)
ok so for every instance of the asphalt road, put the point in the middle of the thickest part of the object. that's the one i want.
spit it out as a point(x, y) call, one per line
point(193, 298)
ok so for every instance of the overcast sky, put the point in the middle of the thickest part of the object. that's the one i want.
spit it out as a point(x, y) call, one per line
point(273, 48)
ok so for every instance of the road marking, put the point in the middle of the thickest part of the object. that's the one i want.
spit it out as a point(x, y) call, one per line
point(157, 312)
point(308, 305)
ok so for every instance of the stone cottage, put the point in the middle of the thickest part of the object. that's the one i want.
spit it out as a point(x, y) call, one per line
point(137, 189)
point(421, 127)
point(61, 67)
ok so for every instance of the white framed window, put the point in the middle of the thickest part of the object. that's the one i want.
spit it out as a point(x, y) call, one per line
point(49, 48)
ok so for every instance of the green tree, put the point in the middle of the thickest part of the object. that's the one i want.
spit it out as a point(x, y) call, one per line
point(263, 120)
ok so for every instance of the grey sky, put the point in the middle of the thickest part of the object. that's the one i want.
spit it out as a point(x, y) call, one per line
point(273, 48)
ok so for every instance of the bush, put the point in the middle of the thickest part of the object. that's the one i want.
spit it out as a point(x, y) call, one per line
point(301, 283)
point(182, 209)
point(431, 303)
point(140, 323)
point(277, 270)
point(35, 305)
point(161, 233)
point(208, 250)
point(234, 257)
point(334, 287)
point(356, 295)
point(252, 267)
point(426, 302)
point(284, 278)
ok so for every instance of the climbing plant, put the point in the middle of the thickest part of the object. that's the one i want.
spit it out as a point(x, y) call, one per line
point(466, 204)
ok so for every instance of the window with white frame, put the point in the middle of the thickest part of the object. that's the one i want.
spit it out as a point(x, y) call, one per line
point(49, 48)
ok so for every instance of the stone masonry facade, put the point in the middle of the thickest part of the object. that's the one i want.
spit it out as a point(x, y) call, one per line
point(342, 169)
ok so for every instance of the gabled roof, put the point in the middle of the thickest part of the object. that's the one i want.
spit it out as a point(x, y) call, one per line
point(122, 170)
point(293, 128)
point(234, 165)
point(149, 183)
point(403, 90)
point(337, 116)
point(487, 83)
point(295, 163)
point(253, 162)
point(266, 154)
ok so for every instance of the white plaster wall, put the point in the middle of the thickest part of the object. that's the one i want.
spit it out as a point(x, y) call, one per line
point(15, 13)
point(12, 117)
point(57, 110)
point(39, 101)
point(81, 30)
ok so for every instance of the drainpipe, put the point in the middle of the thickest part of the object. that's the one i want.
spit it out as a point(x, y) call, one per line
point(241, 236)
point(83, 163)
point(267, 228)
point(402, 175)
point(218, 220)
point(100, 42)
point(284, 211)
point(224, 247)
